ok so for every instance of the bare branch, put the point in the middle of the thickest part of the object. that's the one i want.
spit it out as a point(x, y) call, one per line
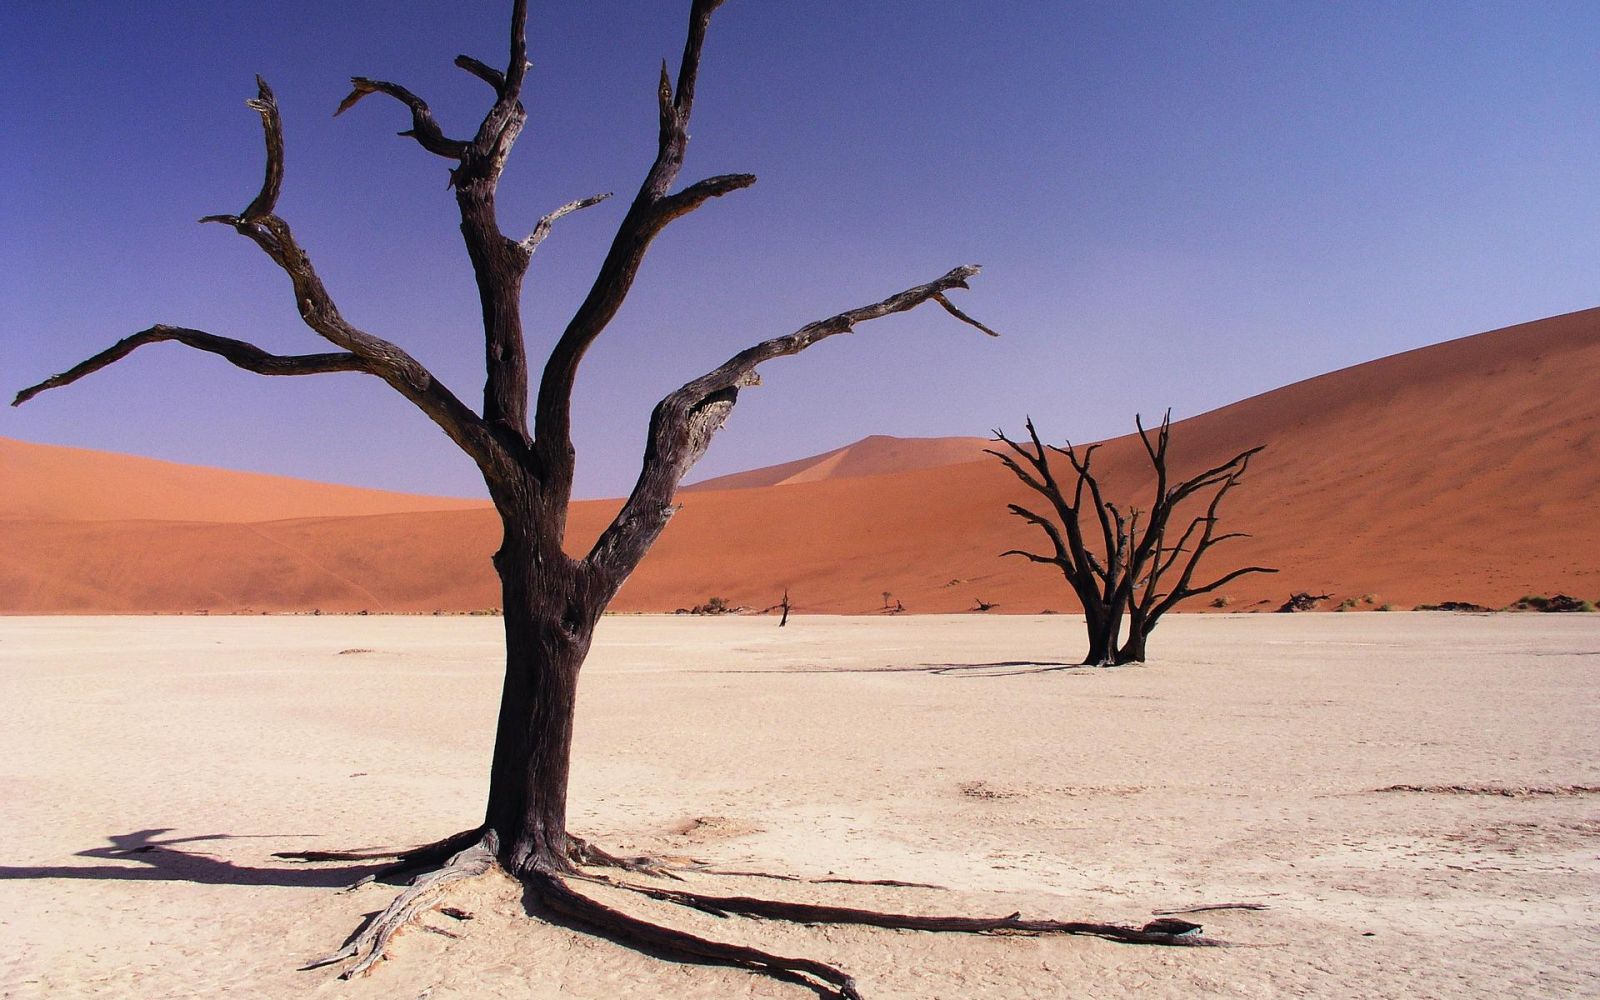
point(683, 423)
point(517, 62)
point(950, 308)
point(1010, 463)
point(1229, 578)
point(542, 229)
point(241, 354)
point(1063, 557)
point(483, 71)
point(689, 66)
point(651, 211)
point(423, 127)
point(692, 197)
point(491, 146)
point(318, 311)
point(266, 106)
point(1031, 557)
point(1229, 469)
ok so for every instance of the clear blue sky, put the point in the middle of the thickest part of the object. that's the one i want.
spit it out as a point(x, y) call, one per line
point(1176, 204)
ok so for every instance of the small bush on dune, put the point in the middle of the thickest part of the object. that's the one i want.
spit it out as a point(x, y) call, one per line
point(1558, 603)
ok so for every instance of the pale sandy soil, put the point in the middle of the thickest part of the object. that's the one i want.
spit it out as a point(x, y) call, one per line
point(1241, 766)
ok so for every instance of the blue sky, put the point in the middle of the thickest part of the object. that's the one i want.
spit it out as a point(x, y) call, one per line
point(1175, 204)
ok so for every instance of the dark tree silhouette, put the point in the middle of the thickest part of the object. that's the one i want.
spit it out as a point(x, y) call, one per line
point(552, 601)
point(1124, 565)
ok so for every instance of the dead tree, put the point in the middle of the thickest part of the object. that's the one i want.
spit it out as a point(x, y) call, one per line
point(552, 602)
point(785, 606)
point(1123, 565)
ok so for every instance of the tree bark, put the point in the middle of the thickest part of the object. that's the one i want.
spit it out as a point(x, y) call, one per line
point(550, 613)
point(1104, 625)
point(1132, 650)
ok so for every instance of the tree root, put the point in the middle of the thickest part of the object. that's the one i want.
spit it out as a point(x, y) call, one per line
point(811, 913)
point(368, 943)
point(781, 877)
point(409, 861)
point(552, 890)
point(586, 853)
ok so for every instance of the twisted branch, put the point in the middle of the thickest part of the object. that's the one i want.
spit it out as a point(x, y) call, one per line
point(684, 422)
point(542, 229)
point(423, 128)
point(241, 354)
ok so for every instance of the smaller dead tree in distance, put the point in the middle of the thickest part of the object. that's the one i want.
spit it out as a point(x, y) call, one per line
point(1120, 565)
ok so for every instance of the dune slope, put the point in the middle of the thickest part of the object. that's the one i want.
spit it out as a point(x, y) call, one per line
point(1462, 471)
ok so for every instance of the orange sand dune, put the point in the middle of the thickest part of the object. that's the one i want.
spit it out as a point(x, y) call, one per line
point(51, 483)
point(871, 456)
point(1463, 471)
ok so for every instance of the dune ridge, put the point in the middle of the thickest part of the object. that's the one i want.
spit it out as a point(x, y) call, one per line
point(56, 483)
point(1460, 471)
point(875, 455)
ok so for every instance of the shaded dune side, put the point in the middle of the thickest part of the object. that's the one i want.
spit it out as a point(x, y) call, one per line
point(1463, 471)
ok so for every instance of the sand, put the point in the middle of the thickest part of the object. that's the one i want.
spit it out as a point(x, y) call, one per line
point(1464, 471)
point(1241, 766)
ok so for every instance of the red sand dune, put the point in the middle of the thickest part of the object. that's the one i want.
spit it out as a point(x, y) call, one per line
point(871, 456)
point(1463, 471)
point(51, 483)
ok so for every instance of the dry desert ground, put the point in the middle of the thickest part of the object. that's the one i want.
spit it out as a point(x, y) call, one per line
point(150, 768)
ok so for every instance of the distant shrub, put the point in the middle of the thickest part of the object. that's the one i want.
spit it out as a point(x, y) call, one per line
point(1558, 603)
point(1302, 601)
point(1348, 604)
point(1221, 601)
point(1384, 607)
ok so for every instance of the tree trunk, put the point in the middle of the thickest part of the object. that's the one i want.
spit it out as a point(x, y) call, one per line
point(1104, 627)
point(548, 626)
point(1132, 650)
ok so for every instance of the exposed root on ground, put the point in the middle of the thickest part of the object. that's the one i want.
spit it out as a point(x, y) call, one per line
point(554, 891)
point(586, 853)
point(780, 877)
point(408, 861)
point(368, 943)
point(1210, 907)
point(812, 913)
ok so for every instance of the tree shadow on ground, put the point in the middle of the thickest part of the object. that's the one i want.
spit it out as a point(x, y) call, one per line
point(1000, 668)
point(538, 910)
point(158, 860)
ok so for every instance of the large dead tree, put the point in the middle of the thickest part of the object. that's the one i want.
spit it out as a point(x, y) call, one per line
point(551, 601)
point(1125, 566)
